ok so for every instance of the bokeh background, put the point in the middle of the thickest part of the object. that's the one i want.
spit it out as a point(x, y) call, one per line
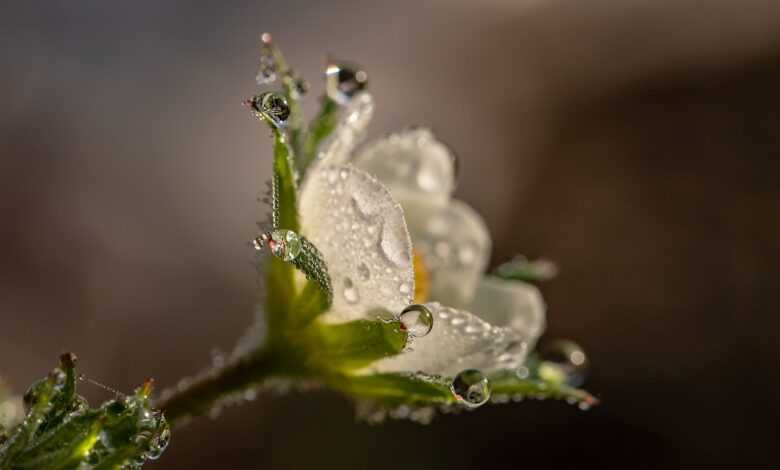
point(634, 142)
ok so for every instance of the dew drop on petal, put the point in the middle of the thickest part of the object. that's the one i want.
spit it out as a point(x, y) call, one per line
point(563, 360)
point(471, 388)
point(343, 81)
point(363, 271)
point(350, 292)
point(417, 320)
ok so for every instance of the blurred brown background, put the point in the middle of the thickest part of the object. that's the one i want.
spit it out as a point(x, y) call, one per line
point(635, 142)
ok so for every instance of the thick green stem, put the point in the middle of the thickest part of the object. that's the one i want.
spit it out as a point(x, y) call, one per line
point(207, 390)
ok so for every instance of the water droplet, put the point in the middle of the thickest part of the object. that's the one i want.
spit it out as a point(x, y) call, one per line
point(471, 388)
point(351, 293)
point(563, 361)
point(284, 244)
point(267, 68)
point(363, 271)
point(344, 81)
point(272, 106)
point(417, 320)
point(160, 441)
point(522, 372)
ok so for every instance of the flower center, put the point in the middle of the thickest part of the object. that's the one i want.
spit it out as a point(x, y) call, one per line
point(422, 280)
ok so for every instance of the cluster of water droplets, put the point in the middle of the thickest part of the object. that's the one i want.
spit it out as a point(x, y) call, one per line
point(267, 68)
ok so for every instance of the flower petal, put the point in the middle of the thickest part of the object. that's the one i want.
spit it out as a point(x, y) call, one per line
point(455, 245)
point(413, 165)
point(515, 304)
point(360, 230)
point(459, 340)
point(350, 130)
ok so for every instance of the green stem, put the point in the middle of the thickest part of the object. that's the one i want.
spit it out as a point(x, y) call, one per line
point(207, 390)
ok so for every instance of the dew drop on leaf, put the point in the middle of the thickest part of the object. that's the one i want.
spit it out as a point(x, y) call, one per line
point(160, 441)
point(471, 388)
point(272, 106)
point(563, 361)
point(267, 68)
point(284, 244)
point(417, 320)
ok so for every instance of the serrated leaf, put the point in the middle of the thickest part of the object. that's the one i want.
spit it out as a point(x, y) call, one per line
point(507, 383)
point(60, 431)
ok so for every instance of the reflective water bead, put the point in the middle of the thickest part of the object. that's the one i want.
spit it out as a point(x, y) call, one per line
point(563, 361)
point(351, 293)
point(471, 388)
point(363, 271)
point(284, 244)
point(344, 81)
point(417, 320)
point(267, 68)
point(272, 106)
point(159, 442)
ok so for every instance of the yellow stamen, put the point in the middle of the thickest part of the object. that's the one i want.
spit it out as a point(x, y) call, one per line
point(422, 280)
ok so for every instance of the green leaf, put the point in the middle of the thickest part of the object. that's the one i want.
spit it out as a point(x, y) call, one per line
point(508, 384)
point(352, 345)
point(522, 269)
point(280, 276)
point(284, 189)
point(61, 431)
point(292, 94)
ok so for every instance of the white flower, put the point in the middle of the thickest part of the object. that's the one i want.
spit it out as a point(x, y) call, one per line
point(360, 207)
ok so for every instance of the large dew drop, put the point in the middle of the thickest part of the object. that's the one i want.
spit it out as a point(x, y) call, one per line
point(563, 361)
point(471, 388)
point(417, 320)
point(344, 81)
point(160, 441)
point(271, 106)
point(284, 244)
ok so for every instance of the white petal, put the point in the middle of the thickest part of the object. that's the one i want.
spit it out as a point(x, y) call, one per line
point(455, 245)
point(459, 340)
point(516, 304)
point(350, 130)
point(413, 164)
point(360, 230)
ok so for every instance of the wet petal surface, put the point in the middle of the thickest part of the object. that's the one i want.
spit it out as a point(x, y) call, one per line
point(459, 340)
point(455, 246)
point(413, 164)
point(360, 230)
